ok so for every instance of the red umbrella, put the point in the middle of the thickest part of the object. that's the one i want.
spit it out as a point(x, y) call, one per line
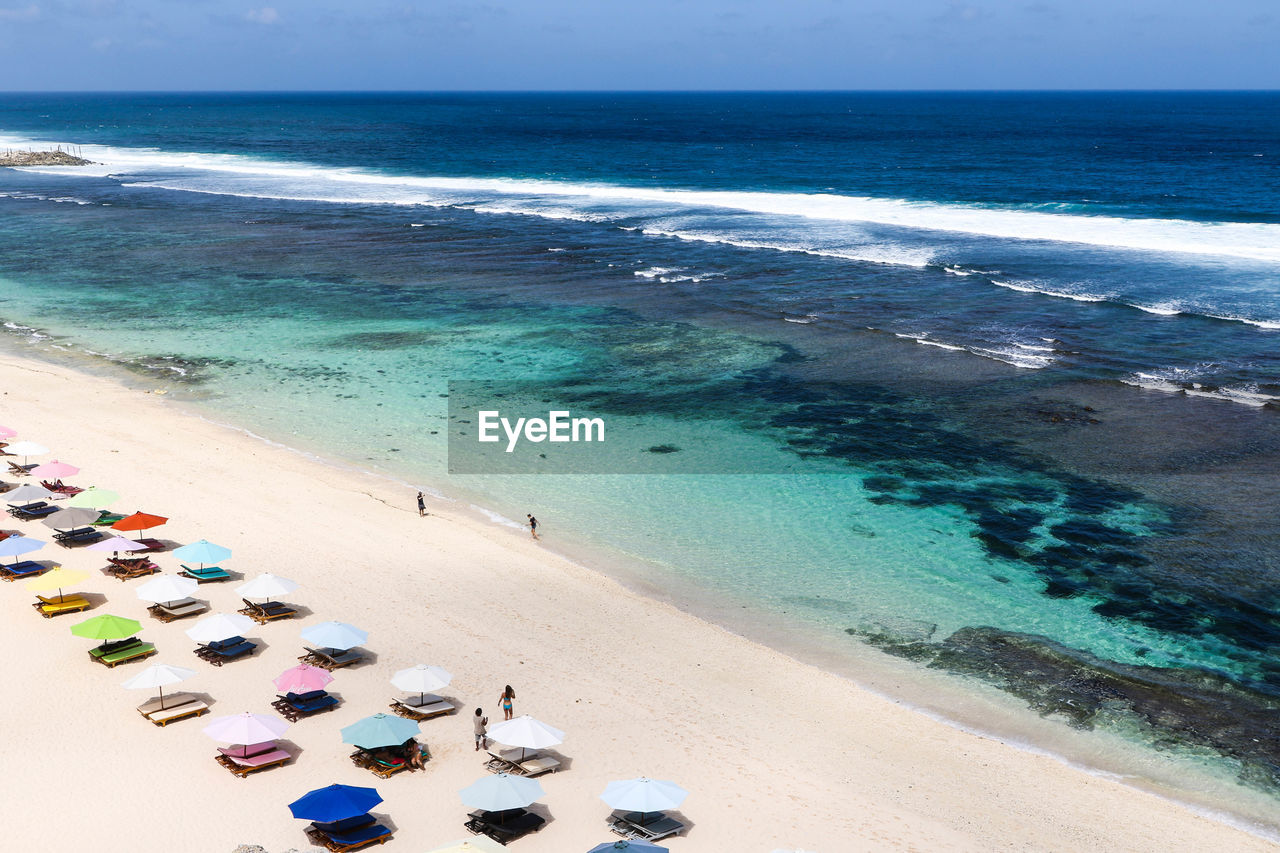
point(139, 521)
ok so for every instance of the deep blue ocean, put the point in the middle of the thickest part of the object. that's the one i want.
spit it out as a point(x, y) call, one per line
point(987, 382)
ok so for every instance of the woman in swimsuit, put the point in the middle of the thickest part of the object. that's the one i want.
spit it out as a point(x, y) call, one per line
point(505, 700)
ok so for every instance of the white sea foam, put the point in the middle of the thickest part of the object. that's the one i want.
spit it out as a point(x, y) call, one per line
point(1179, 380)
point(803, 321)
point(892, 255)
point(1028, 287)
point(1163, 309)
point(657, 272)
point(227, 173)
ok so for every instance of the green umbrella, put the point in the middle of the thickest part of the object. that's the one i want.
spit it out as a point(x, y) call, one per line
point(106, 627)
point(94, 498)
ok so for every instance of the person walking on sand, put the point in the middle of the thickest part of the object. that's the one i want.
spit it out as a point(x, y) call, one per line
point(533, 526)
point(422, 505)
point(506, 699)
point(479, 722)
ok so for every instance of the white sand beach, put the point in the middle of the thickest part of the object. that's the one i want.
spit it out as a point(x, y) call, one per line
point(775, 753)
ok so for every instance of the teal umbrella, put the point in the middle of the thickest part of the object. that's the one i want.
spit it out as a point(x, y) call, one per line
point(380, 730)
point(202, 552)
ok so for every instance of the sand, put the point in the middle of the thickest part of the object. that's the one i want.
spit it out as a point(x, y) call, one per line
point(775, 753)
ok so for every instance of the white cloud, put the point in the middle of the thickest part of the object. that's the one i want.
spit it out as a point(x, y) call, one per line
point(265, 15)
point(28, 13)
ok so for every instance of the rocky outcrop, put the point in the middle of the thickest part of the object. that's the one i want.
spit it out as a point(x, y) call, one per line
point(41, 158)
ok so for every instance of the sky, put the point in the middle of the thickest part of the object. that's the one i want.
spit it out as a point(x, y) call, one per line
point(436, 45)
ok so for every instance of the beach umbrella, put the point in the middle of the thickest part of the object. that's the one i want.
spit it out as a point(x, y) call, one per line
point(70, 517)
point(302, 678)
point(334, 635)
point(245, 729)
point(643, 795)
point(28, 493)
point(527, 733)
point(421, 679)
point(6, 432)
point(380, 730)
point(267, 586)
point(94, 498)
point(219, 626)
point(501, 791)
point(627, 844)
point(158, 675)
point(116, 543)
point(167, 588)
point(336, 802)
point(54, 469)
point(479, 844)
point(56, 579)
point(106, 627)
point(139, 521)
point(25, 449)
point(16, 546)
point(201, 552)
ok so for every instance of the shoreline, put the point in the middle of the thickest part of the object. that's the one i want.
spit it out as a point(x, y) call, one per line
point(471, 534)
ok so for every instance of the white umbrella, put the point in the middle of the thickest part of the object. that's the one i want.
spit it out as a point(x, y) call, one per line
point(25, 449)
point(158, 675)
point(116, 543)
point(500, 792)
point(267, 586)
point(527, 733)
point(334, 635)
point(28, 493)
point(245, 729)
point(644, 795)
point(167, 588)
point(421, 679)
point(220, 626)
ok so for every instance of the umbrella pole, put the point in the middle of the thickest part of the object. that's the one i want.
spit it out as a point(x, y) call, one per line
point(161, 689)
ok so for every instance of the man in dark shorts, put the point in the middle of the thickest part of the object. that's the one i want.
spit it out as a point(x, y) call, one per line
point(533, 526)
point(422, 505)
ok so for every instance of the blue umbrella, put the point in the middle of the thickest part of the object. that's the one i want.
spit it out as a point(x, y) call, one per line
point(16, 546)
point(380, 730)
point(202, 552)
point(626, 844)
point(335, 635)
point(501, 792)
point(336, 802)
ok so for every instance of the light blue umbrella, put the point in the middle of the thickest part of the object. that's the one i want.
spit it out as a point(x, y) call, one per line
point(202, 552)
point(628, 845)
point(380, 730)
point(500, 792)
point(16, 546)
point(644, 795)
point(335, 635)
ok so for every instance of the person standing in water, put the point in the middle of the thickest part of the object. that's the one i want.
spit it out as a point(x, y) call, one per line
point(422, 505)
point(506, 700)
point(533, 526)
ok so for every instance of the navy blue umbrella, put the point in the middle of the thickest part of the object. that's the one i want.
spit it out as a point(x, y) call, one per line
point(336, 802)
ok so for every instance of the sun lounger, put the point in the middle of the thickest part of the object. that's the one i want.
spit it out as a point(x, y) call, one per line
point(113, 646)
point(171, 712)
point(264, 613)
point(25, 514)
point(50, 607)
point(419, 707)
point(81, 536)
point(383, 764)
point(331, 659)
point(20, 470)
point(107, 519)
point(504, 826)
point(220, 652)
point(137, 652)
point(248, 750)
point(294, 706)
point(242, 765)
point(151, 545)
point(128, 573)
point(346, 824)
point(61, 488)
point(22, 569)
point(206, 575)
point(651, 826)
point(521, 762)
point(180, 609)
point(340, 841)
point(169, 701)
point(23, 507)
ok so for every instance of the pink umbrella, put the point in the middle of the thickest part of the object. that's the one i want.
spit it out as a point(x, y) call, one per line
point(5, 432)
point(116, 543)
point(245, 729)
point(54, 469)
point(302, 679)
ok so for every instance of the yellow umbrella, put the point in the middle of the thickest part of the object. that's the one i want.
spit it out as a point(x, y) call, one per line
point(56, 579)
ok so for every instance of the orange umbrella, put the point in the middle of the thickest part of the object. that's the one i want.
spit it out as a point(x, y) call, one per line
point(139, 521)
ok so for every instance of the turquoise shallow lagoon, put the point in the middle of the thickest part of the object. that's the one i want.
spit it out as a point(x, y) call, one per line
point(1037, 454)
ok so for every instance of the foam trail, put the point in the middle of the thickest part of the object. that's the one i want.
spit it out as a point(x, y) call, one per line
point(201, 172)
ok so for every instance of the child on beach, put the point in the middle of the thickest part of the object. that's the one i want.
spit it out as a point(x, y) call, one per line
point(479, 722)
point(506, 699)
